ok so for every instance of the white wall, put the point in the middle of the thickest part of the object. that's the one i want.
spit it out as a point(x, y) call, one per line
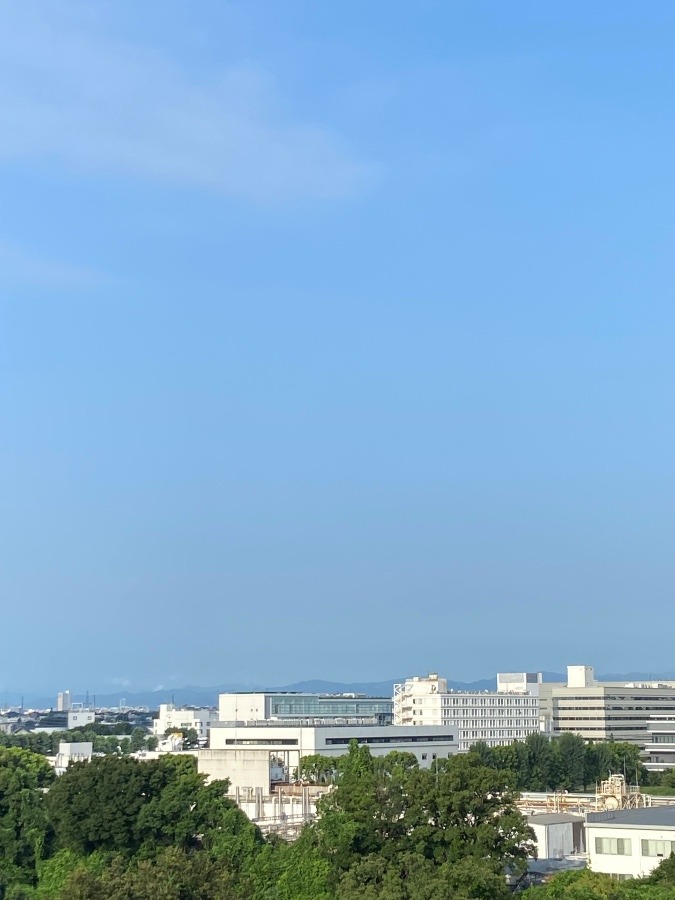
point(241, 707)
point(243, 767)
point(634, 864)
point(79, 718)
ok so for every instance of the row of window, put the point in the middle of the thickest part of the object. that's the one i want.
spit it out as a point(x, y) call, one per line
point(413, 739)
point(493, 733)
point(624, 847)
point(603, 728)
point(614, 846)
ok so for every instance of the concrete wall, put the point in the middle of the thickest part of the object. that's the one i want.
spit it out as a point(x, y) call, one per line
point(242, 707)
point(79, 718)
point(245, 768)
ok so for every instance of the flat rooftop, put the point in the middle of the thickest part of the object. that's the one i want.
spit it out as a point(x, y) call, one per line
point(553, 819)
point(647, 817)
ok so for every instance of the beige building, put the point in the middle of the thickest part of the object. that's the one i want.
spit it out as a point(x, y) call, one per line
point(603, 711)
point(497, 718)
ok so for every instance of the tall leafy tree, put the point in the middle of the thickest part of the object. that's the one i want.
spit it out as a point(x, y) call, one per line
point(23, 823)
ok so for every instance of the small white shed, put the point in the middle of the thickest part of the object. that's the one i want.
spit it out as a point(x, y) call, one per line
point(557, 834)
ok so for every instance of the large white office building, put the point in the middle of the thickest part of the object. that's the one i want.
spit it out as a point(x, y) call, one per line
point(603, 711)
point(496, 718)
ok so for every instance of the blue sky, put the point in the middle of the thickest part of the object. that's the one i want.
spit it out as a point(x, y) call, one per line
point(335, 340)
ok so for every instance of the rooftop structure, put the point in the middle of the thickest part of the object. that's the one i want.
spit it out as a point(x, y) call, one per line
point(184, 719)
point(72, 753)
point(256, 706)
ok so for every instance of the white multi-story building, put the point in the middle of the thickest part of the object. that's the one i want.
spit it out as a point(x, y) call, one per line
point(603, 711)
point(256, 754)
point(171, 717)
point(630, 843)
point(496, 718)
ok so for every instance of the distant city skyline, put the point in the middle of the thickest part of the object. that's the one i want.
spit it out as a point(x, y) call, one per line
point(335, 341)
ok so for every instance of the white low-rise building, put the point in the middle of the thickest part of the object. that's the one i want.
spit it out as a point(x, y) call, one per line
point(79, 717)
point(171, 717)
point(81, 751)
point(630, 843)
point(494, 717)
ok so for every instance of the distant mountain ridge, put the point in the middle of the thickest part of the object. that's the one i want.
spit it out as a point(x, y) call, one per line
point(208, 696)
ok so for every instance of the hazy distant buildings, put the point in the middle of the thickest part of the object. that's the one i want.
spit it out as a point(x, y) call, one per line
point(80, 717)
point(494, 717)
point(63, 701)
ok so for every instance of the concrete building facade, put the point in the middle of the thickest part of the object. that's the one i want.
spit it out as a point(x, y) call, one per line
point(660, 743)
point(497, 718)
point(259, 754)
point(603, 711)
point(630, 843)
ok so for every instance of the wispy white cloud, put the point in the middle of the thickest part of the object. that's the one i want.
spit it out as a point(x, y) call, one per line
point(19, 265)
point(72, 96)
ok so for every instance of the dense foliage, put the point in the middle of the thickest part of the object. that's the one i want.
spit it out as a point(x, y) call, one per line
point(120, 738)
point(566, 763)
point(587, 885)
point(122, 829)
